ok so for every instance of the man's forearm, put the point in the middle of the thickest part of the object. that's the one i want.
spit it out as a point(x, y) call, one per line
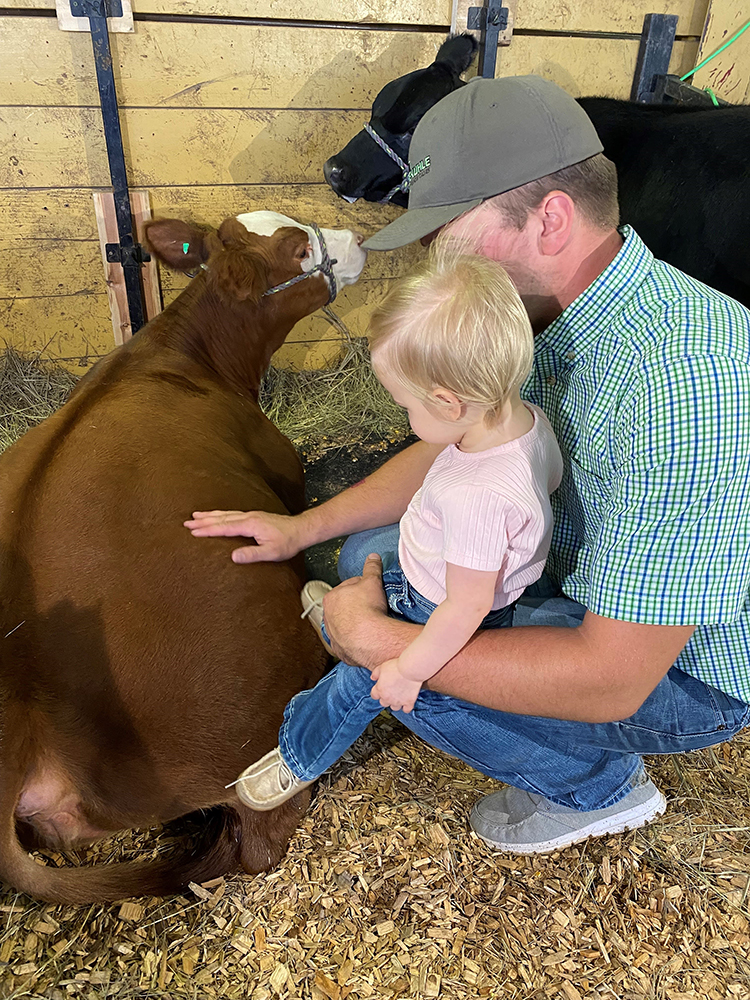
point(589, 674)
point(380, 499)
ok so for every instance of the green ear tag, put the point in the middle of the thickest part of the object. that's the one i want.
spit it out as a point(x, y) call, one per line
point(185, 247)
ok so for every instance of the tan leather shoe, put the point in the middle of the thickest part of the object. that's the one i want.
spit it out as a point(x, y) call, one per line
point(268, 783)
point(312, 606)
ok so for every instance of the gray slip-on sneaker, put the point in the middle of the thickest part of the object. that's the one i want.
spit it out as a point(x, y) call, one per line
point(312, 606)
point(525, 823)
point(268, 783)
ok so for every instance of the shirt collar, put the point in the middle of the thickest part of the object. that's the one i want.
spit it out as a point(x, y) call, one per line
point(580, 326)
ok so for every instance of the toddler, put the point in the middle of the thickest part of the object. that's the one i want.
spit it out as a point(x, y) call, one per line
point(452, 343)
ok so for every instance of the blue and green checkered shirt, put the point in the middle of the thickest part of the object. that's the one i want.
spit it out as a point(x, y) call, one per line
point(645, 378)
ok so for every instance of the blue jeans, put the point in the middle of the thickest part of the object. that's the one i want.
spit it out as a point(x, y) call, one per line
point(577, 764)
point(322, 723)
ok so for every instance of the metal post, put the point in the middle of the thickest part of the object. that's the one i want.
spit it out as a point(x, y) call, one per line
point(491, 21)
point(128, 252)
point(655, 51)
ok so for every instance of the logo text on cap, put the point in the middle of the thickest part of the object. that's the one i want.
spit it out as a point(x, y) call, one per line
point(418, 170)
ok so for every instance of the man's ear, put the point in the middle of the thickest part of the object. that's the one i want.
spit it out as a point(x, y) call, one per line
point(556, 214)
point(178, 244)
point(451, 407)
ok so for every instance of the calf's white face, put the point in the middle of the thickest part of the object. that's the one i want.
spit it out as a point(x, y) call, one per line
point(343, 244)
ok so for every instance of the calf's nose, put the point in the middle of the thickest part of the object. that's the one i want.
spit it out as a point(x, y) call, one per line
point(334, 174)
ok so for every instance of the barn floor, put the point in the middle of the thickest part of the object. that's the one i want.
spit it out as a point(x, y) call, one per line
point(385, 893)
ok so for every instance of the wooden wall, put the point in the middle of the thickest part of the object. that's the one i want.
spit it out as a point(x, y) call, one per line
point(220, 118)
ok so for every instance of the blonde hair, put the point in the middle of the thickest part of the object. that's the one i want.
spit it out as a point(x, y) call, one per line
point(456, 322)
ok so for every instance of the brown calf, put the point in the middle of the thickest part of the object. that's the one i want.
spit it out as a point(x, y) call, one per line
point(141, 669)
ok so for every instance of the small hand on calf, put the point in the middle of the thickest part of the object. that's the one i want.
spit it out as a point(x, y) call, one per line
point(392, 689)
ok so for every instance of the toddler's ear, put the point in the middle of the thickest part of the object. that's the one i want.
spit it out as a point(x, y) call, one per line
point(451, 407)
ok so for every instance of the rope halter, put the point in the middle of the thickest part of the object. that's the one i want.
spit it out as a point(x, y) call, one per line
point(404, 185)
point(325, 265)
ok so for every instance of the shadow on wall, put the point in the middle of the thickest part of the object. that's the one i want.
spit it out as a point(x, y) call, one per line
point(300, 144)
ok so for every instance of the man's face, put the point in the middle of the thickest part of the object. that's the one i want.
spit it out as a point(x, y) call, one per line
point(484, 230)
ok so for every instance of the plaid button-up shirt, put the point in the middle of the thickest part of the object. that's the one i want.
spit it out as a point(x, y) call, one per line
point(645, 378)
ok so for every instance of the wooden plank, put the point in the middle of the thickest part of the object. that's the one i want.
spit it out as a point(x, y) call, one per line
point(380, 11)
point(114, 276)
point(583, 66)
point(221, 66)
point(546, 15)
point(65, 146)
point(559, 15)
point(65, 326)
point(34, 268)
point(79, 326)
point(728, 75)
point(117, 295)
point(140, 206)
point(67, 213)
point(203, 65)
point(48, 268)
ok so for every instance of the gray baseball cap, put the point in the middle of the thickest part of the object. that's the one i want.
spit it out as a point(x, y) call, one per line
point(483, 139)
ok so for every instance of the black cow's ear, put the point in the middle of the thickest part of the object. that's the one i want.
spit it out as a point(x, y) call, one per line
point(458, 52)
point(178, 244)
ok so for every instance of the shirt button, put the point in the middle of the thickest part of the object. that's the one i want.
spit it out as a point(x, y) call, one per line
point(550, 380)
point(571, 355)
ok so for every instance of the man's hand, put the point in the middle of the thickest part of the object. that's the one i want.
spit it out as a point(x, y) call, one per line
point(277, 536)
point(392, 689)
point(356, 616)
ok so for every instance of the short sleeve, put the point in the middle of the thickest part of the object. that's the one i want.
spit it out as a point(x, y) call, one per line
point(674, 542)
point(475, 526)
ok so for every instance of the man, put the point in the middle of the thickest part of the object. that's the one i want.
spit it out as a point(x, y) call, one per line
point(644, 374)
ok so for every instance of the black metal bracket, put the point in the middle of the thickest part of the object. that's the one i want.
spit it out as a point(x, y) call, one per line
point(128, 252)
point(96, 8)
point(670, 89)
point(490, 21)
point(117, 254)
point(655, 51)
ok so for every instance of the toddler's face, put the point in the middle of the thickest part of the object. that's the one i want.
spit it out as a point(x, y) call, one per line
point(425, 418)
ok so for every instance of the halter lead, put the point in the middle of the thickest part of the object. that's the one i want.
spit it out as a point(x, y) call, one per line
point(325, 265)
point(404, 185)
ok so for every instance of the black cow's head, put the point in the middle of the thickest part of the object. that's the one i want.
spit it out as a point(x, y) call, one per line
point(362, 169)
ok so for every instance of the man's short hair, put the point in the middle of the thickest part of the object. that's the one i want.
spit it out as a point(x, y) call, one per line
point(592, 184)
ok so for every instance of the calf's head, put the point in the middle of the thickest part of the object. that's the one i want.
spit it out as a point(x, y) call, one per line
point(255, 277)
point(365, 170)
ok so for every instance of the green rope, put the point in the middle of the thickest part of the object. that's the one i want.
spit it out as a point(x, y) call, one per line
point(712, 95)
point(726, 45)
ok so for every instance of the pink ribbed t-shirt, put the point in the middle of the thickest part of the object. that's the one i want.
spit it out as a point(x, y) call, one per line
point(485, 510)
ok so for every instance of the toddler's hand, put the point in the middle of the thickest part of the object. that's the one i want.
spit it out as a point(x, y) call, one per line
point(392, 689)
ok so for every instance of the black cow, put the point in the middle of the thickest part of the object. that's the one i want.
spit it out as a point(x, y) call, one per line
point(683, 172)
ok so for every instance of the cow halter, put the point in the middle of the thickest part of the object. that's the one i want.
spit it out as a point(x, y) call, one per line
point(404, 185)
point(325, 265)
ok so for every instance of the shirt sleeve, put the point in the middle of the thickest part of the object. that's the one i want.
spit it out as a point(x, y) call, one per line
point(673, 547)
point(475, 525)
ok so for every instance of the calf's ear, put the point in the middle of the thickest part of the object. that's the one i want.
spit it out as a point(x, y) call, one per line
point(178, 244)
point(240, 270)
point(458, 52)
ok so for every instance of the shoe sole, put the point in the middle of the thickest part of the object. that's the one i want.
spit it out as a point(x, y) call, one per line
point(629, 819)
